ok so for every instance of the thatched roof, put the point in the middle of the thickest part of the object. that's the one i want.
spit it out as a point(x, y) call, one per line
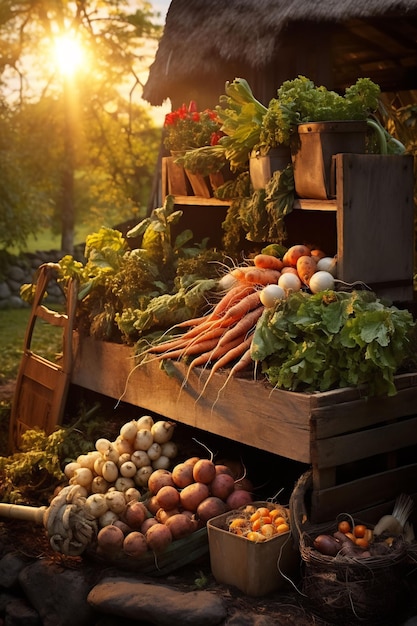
point(200, 34)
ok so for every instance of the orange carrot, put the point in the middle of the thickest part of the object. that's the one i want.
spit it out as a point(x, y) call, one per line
point(306, 266)
point(267, 261)
point(227, 358)
point(243, 326)
point(193, 348)
point(240, 309)
point(256, 275)
point(293, 254)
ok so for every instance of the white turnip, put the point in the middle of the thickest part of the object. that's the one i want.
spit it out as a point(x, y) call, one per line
point(162, 431)
point(143, 439)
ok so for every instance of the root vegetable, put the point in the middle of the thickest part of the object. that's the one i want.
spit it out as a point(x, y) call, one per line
point(143, 439)
point(140, 458)
point(123, 483)
point(327, 544)
point(158, 538)
point(162, 431)
point(222, 486)
point(150, 521)
point(223, 469)
point(327, 264)
point(87, 460)
point(180, 525)
point(306, 267)
point(162, 463)
point(146, 421)
point(123, 446)
point(142, 476)
point(135, 514)
point(123, 458)
point(169, 449)
point(98, 466)
point(289, 282)
point(168, 497)
point(158, 479)
point(211, 507)
point(271, 294)
point(192, 495)
point(111, 454)
point(83, 476)
point(128, 431)
point(267, 261)
point(135, 545)
point(162, 515)
point(152, 505)
point(204, 471)
point(132, 494)
point(182, 475)
point(115, 501)
point(238, 498)
point(99, 485)
point(70, 468)
point(108, 518)
point(103, 444)
point(320, 281)
point(110, 539)
point(123, 527)
point(128, 469)
point(97, 504)
point(294, 253)
point(110, 471)
point(154, 451)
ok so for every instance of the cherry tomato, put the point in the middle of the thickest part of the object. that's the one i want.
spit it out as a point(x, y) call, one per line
point(359, 530)
point(344, 527)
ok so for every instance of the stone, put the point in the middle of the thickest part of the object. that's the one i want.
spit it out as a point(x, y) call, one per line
point(59, 595)
point(158, 604)
point(10, 567)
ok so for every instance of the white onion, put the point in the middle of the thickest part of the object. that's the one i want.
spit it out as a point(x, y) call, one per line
point(70, 468)
point(142, 476)
point(162, 463)
point(123, 483)
point(320, 281)
point(97, 504)
point(131, 494)
point(110, 471)
point(328, 264)
point(123, 446)
point(289, 282)
point(98, 465)
point(111, 454)
point(154, 451)
point(108, 518)
point(128, 431)
point(123, 458)
point(128, 469)
point(169, 449)
point(140, 458)
point(143, 439)
point(162, 431)
point(146, 421)
point(115, 501)
point(99, 485)
point(270, 295)
point(83, 476)
point(103, 444)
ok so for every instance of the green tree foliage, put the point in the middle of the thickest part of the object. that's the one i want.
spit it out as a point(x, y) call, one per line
point(74, 147)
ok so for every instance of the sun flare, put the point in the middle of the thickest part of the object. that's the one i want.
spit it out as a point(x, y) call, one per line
point(69, 54)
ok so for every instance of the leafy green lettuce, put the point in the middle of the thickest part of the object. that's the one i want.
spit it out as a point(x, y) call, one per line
point(331, 340)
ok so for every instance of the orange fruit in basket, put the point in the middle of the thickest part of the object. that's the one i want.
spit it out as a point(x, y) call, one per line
point(282, 528)
point(362, 542)
point(254, 536)
point(238, 522)
point(279, 520)
point(260, 512)
point(344, 527)
point(359, 530)
point(268, 530)
point(260, 522)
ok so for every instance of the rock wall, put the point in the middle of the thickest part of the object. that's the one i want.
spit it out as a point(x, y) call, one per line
point(20, 270)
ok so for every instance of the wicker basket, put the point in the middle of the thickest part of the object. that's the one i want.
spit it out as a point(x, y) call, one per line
point(347, 590)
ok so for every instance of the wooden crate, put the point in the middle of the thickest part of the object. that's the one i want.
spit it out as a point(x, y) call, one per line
point(362, 450)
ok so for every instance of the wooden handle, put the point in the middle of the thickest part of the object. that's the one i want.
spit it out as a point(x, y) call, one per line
point(18, 511)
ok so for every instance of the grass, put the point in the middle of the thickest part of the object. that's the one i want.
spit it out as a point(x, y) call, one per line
point(46, 341)
point(47, 240)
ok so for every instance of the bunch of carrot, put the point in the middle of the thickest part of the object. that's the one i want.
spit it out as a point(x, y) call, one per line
point(224, 336)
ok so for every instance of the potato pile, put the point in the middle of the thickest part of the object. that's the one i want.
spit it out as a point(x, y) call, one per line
point(139, 503)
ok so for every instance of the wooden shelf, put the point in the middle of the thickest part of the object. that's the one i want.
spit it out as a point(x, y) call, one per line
point(200, 201)
point(315, 205)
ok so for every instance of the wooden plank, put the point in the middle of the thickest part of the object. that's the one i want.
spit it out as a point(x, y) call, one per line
point(364, 444)
point(346, 417)
point(315, 205)
point(363, 493)
point(375, 213)
point(200, 201)
point(245, 410)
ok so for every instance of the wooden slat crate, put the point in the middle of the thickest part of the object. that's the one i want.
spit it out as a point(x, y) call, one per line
point(362, 450)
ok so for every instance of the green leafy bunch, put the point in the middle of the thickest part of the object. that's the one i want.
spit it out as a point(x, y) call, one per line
point(332, 340)
point(303, 101)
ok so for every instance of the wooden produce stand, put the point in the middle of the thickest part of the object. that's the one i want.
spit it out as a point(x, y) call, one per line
point(362, 450)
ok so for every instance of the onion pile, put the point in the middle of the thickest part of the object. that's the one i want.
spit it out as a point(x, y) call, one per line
point(125, 464)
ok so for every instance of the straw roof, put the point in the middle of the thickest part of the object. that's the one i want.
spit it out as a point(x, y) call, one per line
point(201, 34)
